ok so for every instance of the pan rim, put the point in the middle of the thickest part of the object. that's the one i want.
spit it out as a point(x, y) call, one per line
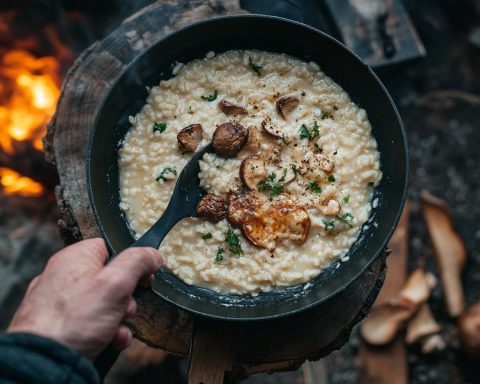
point(380, 248)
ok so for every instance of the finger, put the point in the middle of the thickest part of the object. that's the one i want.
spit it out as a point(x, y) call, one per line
point(131, 308)
point(122, 338)
point(32, 284)
point(124, 272)
point(92, 248)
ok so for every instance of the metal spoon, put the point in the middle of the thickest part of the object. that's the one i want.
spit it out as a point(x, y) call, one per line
point(183, 203)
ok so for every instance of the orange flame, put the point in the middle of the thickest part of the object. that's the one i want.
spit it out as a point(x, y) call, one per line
point(13, 183)
point(28, 94)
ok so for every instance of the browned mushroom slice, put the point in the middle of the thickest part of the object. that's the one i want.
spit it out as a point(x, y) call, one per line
point(189, 138)
point(421, 325)
point(383, 323)
point(263, 222)
point(231, 109)
point(212, 207)
point(385, 320)
point(330, 207)
point(228, 139)
point(290, 175)
point(252, 171)
point(449, 250)
point(271, 129)
point(286, 104)
point(321, 161)
point(469, 330)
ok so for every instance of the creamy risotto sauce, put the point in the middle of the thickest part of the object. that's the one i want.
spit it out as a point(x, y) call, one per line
point(309, 165)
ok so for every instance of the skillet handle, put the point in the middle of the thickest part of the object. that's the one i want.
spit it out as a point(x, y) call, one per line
point(211, 352)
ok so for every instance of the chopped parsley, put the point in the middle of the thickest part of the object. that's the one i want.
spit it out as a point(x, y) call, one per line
point(346, 199)
point(305, 133)
point(329, 225)
point(314, 187)
point(220, 253)
point(210, 97)
point(370, 184)
point(347, 218)
point(315, 131)
point(190, 110)
point(166, 171)
point(159, 127)
point(295, 168)
point(331, 178)
point(272, 184)
point(256, 68)
point(207, 236)
point(326, 115)
point(233, 243)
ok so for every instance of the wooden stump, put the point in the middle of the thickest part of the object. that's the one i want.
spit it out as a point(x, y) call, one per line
point(254, 347)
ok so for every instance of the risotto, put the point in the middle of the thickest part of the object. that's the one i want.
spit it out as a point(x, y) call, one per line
point(290, 182)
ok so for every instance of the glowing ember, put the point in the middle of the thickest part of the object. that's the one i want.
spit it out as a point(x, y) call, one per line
point(28, 94)
point(13, 183)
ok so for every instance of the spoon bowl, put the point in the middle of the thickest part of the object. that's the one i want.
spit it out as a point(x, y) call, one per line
point(183, 203)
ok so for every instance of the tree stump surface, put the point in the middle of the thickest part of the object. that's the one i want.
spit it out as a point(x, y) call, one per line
point(262, 346)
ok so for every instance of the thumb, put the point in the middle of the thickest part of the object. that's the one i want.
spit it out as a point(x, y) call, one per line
point(128, 267)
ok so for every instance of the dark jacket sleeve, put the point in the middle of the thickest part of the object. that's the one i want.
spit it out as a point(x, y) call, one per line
point(26, 358)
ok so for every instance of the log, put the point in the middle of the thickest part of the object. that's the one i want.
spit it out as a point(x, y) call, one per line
point(255, 347)
point(388, 364)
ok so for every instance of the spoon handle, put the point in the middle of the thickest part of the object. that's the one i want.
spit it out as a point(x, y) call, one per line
point(155, 235)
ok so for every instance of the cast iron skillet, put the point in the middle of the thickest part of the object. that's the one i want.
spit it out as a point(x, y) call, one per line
point(268, 33)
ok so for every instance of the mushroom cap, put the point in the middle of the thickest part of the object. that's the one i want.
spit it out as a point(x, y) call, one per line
point(212, 207)
point(189, 137)
point(469, 330)
point(264, 222)
point(228, 139)
point(252, 171)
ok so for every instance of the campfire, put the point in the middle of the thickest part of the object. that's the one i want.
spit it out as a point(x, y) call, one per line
point(29, 89)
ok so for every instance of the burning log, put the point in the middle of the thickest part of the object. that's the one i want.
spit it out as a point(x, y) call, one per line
point(29, 92)
point(449, 250)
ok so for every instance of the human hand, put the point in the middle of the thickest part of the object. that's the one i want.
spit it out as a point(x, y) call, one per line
point(81, 303)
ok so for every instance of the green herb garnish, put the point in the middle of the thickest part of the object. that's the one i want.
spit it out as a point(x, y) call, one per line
point(160, 127)
point(326, 115)
point(331, 178)
point(371, 184)
point(305, 133)
point(271, 184)
point(346, 199)
point(254, 66)
point(347, 218)
point(314, 187)
point(210, 97)
point(329, 225)
point(220, 253)
point(164, 172)
point(315, 131)
point(233, 243)
point(295, 168)
point(207, 236)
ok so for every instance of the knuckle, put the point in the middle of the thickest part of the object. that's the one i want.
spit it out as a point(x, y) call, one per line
point(97, 245)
